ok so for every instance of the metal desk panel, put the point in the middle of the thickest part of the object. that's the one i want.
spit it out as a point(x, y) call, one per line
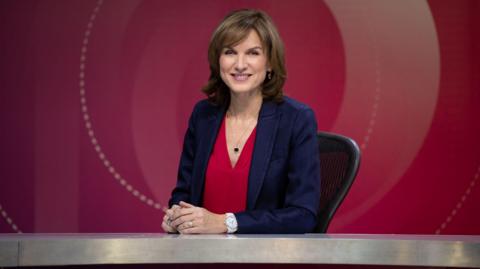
point(83, 249)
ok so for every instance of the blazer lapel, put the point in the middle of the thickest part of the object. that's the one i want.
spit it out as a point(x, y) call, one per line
point(204, 150)
point(266, 129)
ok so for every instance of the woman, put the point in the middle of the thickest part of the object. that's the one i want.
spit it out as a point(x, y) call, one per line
point(250, 158)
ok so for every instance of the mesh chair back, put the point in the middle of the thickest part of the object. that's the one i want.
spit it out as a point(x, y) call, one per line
point(339, 162)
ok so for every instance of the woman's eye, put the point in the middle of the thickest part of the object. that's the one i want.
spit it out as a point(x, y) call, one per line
point(228, 52)
point(254, 53)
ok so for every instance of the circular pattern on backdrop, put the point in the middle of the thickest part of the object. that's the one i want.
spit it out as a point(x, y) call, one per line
point(9, 220)
point(380, 44)
point(88, 124)
point(460, 203)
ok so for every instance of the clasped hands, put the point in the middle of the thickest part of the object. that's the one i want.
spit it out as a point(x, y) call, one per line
point(189, 219)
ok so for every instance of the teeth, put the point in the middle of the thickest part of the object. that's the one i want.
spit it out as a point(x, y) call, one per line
point(240, 77)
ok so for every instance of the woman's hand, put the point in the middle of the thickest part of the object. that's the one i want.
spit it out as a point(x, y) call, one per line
point(189, 219)
point(167, 219)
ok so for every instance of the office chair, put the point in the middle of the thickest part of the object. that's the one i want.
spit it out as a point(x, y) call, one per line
point(339, 163)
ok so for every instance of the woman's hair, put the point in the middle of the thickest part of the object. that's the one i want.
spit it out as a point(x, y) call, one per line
point(234, 28)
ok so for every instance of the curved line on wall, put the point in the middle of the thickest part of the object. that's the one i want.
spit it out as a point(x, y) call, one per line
point(88, 124)
point(9, 220)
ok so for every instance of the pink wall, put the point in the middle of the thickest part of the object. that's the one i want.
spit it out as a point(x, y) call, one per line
point(95, 95)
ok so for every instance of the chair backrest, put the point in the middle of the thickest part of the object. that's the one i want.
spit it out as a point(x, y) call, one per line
point(339, 163)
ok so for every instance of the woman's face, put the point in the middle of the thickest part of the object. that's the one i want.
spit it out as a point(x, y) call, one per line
point(243, 67)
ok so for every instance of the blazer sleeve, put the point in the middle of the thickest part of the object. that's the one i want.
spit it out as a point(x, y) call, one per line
point(302, 198)
point(182, 191)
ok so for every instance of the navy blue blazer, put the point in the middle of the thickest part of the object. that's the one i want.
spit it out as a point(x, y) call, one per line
point(284, 181)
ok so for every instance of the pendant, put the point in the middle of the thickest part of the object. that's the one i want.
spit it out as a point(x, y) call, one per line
point(235, 149)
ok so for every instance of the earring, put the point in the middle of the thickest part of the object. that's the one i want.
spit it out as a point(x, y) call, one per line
point(269, 75)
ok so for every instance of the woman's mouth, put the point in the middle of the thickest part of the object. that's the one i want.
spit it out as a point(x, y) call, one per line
point(240, 77)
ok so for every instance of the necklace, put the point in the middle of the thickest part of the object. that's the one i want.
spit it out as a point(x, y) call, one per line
point(236, 147)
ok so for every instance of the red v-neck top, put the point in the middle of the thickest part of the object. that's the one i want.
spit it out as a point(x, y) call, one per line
point(226, 186)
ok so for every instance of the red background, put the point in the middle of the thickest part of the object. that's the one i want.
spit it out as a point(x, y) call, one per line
point(95, 95)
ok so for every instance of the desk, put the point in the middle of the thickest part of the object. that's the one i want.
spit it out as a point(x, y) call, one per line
point(98, 249)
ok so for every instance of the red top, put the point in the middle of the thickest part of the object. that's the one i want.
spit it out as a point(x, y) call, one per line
point(226, 186)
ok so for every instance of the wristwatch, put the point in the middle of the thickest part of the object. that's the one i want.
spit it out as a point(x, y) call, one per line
point(231, 223)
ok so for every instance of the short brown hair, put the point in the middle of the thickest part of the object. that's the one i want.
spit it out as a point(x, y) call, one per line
point(234, 28)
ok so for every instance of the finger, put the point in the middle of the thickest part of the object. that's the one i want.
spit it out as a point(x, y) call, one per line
point(193, 230)
point(167, 228)
point(182, 212)
point(186, 225)
point(182, 219)
point(185, 204)
point(170, 211)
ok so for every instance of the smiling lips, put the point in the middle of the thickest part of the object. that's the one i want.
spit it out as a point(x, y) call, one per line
point(241, 77)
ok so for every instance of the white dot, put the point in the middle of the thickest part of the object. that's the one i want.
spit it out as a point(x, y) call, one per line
point(89, 25)
point(111, 169)
point(102, 156)
point(472, 183)
point(443, 226)
point(459, 205)
point(97, 148)
point(106, 163)
point(82, 58)
point(143, 198)
point(87, 33)
point(90, 133)
point(129, 187)
point(468, 191)
point(88, 125)
point(82, 66)
point(136, 193)
point(83, 100)
point(94, 141)
point(454, 212)
point(15, 227)
point(123, 182)
point(157, 206)
point(150, 202)
point(9, 220)
point(117, 176)
point(92, 18)
point(464, 197)
point(84, 49)
point(437, 231)
point(85, 41)
point(82, 74)
point(449, 219)
point(372, 122)
point(4, 214)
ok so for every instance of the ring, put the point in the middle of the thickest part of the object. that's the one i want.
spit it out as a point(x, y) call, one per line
point(169, 221)
point(190, 224)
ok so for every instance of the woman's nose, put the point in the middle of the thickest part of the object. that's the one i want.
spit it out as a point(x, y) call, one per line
point(241, 63)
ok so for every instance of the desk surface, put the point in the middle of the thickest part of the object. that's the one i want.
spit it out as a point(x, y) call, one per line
point(89, 249)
